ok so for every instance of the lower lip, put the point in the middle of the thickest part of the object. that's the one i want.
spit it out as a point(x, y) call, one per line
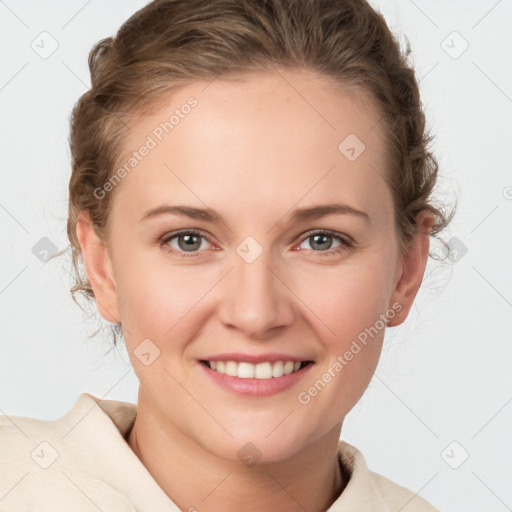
point(256, 387)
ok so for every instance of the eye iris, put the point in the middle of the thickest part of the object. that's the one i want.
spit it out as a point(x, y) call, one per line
point(321, 236)
point(190, 243)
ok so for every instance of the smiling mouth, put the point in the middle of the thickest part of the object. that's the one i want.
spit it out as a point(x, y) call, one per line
point(265, 370)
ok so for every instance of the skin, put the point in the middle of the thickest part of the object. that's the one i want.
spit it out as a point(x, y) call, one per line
point(253, 151)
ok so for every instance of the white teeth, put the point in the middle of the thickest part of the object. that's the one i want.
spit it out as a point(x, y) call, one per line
point(245, 370)
point(288, 367)
point(263, 371)
point(230, 368)
point(277, 369)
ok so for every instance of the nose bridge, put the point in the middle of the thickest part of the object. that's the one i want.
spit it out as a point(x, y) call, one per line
point(256, 300)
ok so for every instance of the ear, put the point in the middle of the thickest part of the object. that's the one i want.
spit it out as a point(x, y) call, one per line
point(413, 268)
point(98, 266)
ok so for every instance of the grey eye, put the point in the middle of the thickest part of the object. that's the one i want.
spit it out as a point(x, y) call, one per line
point(321, 241)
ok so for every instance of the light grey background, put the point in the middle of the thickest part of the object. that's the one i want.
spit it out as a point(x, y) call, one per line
point(445, 375)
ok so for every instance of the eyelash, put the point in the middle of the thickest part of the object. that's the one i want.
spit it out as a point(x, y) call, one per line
point(346, 243)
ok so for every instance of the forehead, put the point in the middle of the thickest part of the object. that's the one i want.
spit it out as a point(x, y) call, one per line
point(269, 141)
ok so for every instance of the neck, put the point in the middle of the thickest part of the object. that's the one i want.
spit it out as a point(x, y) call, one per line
point(196, 479)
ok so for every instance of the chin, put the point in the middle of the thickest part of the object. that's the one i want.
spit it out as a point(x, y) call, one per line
point(260, 445)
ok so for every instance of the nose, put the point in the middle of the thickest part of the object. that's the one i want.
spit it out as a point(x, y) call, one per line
point(256, 299)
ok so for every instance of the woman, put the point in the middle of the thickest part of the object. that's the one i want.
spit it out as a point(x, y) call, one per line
point(251, 200)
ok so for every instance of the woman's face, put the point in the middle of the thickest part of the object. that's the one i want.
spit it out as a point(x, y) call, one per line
point(265, 283)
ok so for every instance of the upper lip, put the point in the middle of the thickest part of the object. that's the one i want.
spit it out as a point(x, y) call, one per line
point(255, 359)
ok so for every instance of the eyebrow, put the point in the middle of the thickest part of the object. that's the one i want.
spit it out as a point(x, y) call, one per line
point(299, 215)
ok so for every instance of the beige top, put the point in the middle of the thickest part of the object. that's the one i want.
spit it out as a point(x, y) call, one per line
point(82, 462)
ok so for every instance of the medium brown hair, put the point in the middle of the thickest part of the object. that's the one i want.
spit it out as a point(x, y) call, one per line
point(171, 43)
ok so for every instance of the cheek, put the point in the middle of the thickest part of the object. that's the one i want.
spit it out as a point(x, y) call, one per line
point(156, 304)
point(346, 319)
point(154, 297)
point(347, 299)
